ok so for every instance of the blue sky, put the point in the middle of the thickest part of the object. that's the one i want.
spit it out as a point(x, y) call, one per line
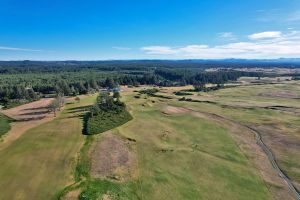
point(152, 29)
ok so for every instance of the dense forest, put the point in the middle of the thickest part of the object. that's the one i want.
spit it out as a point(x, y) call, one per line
point(23, 81)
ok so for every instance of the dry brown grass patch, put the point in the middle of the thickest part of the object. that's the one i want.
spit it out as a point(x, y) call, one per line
point(280, 94)
point(113, 157)
point(30, 111)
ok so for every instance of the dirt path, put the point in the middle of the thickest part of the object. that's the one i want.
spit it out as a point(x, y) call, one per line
point(275, 165)
point(263, 157)
point(264, 147)
point(27, 116)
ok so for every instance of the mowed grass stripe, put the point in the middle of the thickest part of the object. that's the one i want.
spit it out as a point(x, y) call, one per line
point(40, 162)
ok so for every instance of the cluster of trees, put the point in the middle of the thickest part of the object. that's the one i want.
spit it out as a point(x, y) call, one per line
point(202, 88)
point(108, 112)
point(136, 65)
point(149, 92)
point(182, 93)
point(15, 95)
point(192, 77)
point(297, 77)
point(29, 80)
point(57, 104)
point(17, 92)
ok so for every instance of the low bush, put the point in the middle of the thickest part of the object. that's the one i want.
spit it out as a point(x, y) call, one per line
point(182, 93)
point(149, 92)
point(4, 124)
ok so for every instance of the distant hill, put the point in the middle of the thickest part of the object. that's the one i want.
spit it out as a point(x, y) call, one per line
point(191, 63)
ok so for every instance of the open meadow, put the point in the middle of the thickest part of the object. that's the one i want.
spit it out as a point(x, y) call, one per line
point(176, 149)
point(150, 100)
point(203, 147)
point(41, 160)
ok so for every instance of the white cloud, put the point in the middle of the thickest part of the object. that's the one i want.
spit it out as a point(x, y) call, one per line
point(122, 48)
point(17, 49)
point(162, 50)
point(265, 35)
point(264, 46)
point(229, 35)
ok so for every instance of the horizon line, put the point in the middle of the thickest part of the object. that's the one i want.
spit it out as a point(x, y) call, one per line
point(147, 59)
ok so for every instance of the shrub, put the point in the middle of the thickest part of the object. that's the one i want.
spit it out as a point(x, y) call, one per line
point(182, 93)
point(149, 92)
point(106, 121)
point(107, 113)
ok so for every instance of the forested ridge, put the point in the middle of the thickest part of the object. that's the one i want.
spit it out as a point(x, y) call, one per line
point(25, 81)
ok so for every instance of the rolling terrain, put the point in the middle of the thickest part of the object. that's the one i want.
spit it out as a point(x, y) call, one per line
point(40, 161)
point(202, 148)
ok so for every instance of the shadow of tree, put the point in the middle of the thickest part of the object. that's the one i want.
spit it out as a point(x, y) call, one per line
point(36, 113)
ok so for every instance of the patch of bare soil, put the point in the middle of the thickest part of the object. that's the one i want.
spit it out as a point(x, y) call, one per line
point(72, 195)
point(171, 110)
point(246, 140)
point(30, 111)
point(280, 94)
point(106, 197)
point(28, 116)
point(113, 158)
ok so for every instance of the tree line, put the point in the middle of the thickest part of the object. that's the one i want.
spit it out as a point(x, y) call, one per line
point(24, 83)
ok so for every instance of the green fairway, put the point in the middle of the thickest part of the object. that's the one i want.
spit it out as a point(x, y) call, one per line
point(184, 157)
point(280, 127)
point(179, 157)
point(41, 161)
point(179, 154)
point(4, 124)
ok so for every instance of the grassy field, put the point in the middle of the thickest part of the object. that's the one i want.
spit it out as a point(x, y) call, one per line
point(184, 157)
point(4, 124)
point(279, 127)
point(179, 157)
point(41, 161)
